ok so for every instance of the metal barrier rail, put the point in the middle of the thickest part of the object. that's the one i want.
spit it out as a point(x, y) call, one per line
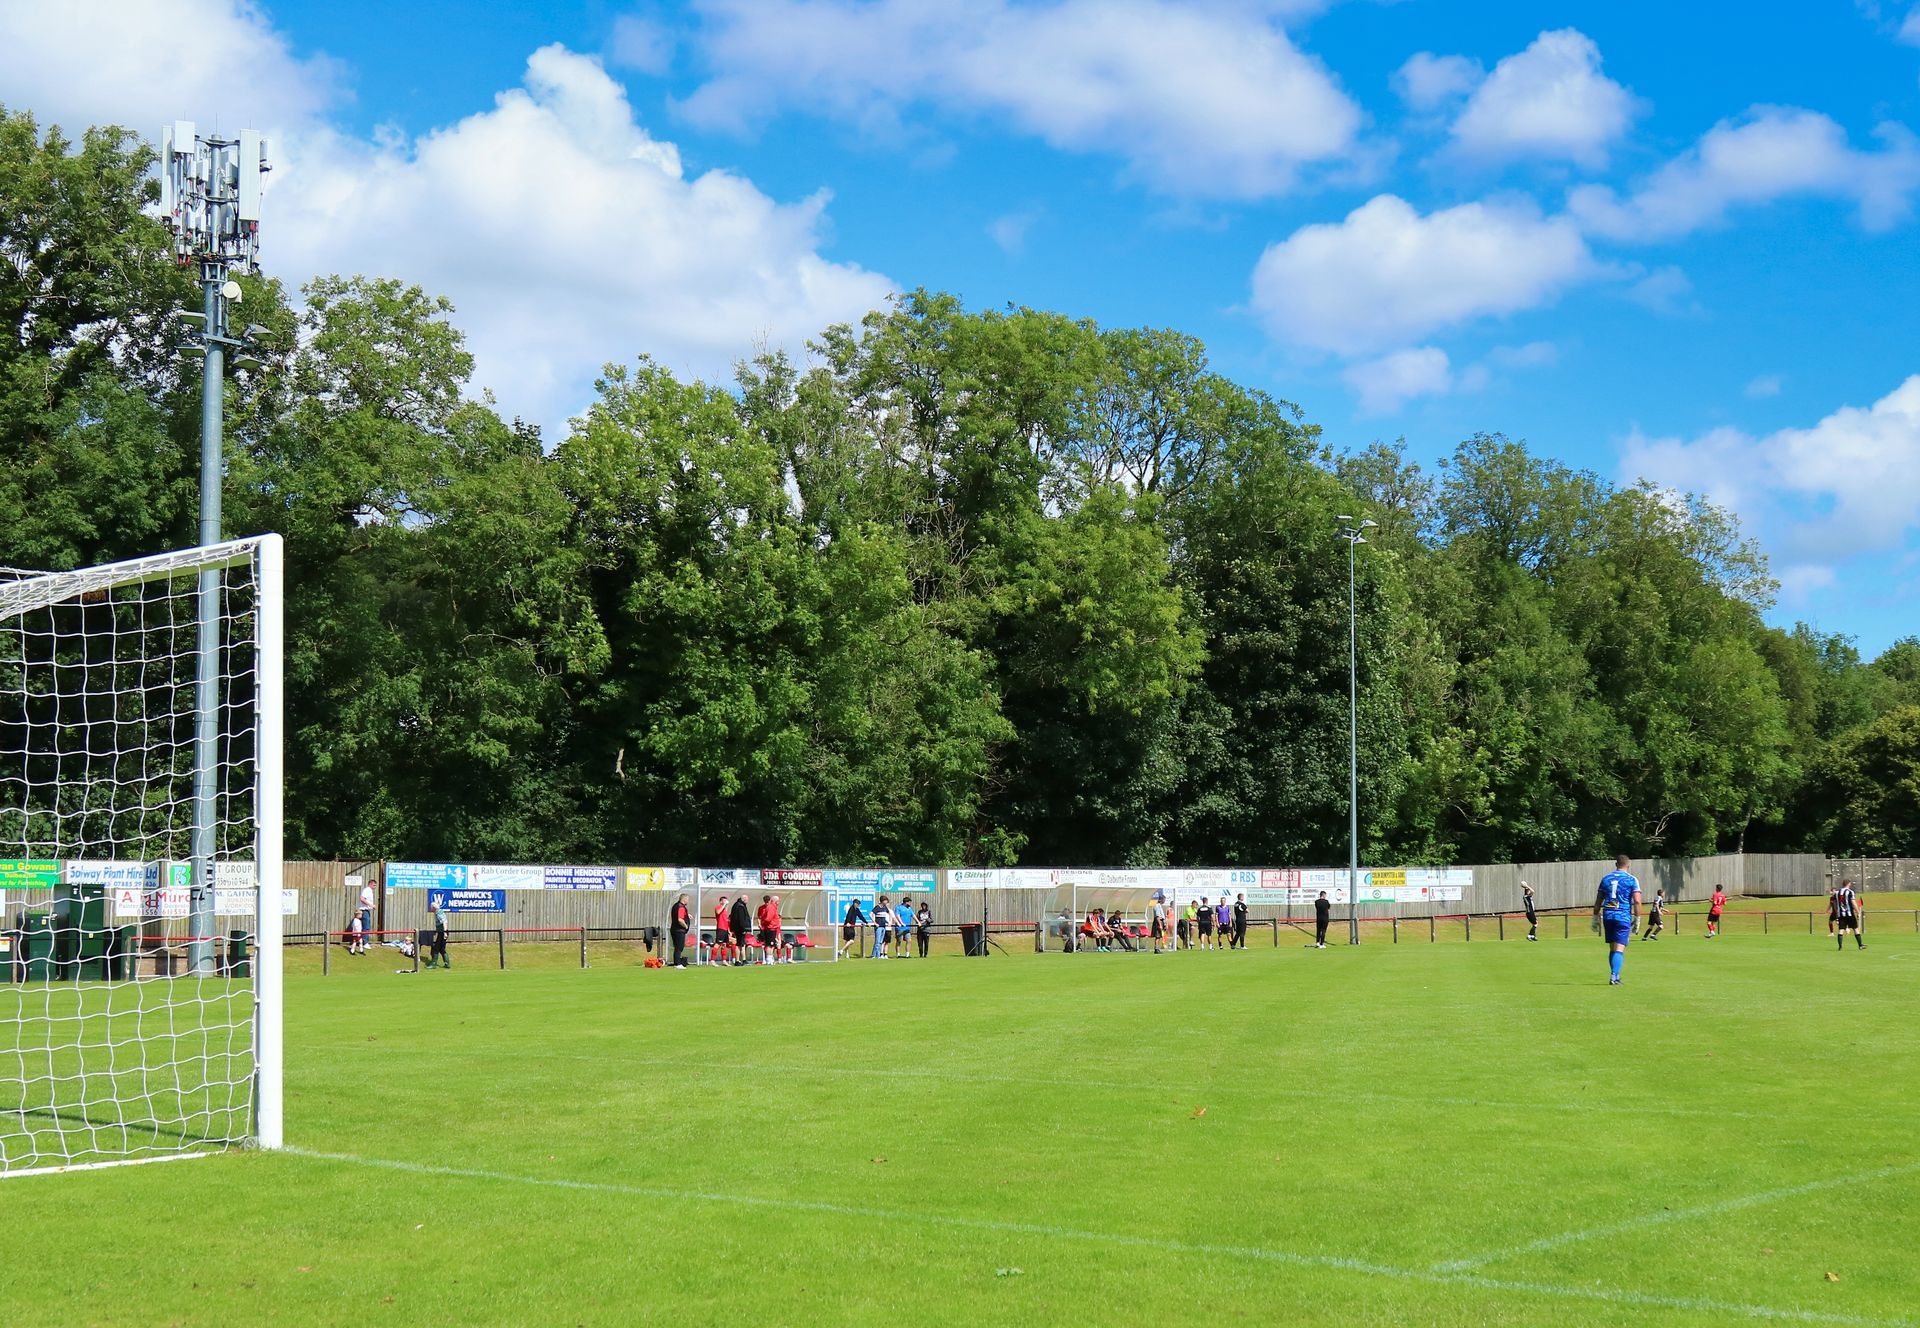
point(651, 936)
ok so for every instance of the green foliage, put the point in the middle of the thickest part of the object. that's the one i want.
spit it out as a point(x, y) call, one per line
point(970, 587)
point(1866, 789)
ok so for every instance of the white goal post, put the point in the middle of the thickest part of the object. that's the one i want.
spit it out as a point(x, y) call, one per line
point(140, 883)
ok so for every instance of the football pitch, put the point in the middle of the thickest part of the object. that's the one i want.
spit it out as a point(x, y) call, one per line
point(1423, 1133)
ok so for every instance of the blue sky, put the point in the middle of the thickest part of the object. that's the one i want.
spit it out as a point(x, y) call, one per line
point(1676, 241)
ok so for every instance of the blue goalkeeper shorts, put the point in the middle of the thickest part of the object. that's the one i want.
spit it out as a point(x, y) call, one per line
point(1619, 931)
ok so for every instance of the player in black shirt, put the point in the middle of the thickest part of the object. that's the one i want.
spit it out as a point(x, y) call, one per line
point(1240, 922)
point(1322, 914)
point(1656, 916)
point(739, 922)
point(1847, 916)
point(1533, 918)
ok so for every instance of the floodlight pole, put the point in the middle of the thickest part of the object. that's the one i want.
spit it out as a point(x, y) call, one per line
point(210, 193)
point(206, 704)
point(1354, 535)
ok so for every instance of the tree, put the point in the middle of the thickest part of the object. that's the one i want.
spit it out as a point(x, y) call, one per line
point(95, 434)
point(1867, 788)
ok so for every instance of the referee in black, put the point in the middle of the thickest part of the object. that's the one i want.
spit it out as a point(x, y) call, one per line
point(1533, 918)
point(1322, 914)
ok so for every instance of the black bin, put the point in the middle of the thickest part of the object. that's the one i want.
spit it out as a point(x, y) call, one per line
point(973, 938)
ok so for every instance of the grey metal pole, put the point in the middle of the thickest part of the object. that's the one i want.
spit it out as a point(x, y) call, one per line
point(1353, 757)
point(206, 741)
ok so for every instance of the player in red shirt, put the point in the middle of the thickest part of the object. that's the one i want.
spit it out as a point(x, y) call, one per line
point(721, 951)
point(1718, 902)
point(769, 920)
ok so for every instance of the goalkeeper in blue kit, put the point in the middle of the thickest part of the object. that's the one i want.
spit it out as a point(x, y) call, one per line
point(1616, 907)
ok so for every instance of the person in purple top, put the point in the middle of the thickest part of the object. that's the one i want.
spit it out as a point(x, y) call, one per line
point(1223, 922)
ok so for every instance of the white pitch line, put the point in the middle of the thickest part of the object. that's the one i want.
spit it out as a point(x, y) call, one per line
point(102, 1166)
point(1670, 1215)
point(1619, 1296)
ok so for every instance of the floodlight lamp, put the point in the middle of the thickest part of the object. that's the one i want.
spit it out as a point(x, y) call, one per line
point(231, 291)
point(1347, 520)
point(1369, 524)
point(255, 329)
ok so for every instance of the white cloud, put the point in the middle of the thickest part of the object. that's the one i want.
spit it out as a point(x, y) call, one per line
point(1772, 152)
point(1910, 30)
point(568, 236)
point(1389, 382)
point(1010, 231)
point(140, 63)
point(1209, 99)
point(641, 43)
point(1848, 485)
point(1428, 81)
point(1665, 290)
point(1386, 275)
point(1533, 355)
point(565, 234)
point(1549, 101)
point(1766, 385)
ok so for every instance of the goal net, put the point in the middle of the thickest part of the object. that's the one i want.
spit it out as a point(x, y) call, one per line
point(140, 872)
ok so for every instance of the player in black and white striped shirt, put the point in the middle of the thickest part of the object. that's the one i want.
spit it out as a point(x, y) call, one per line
point(1847, 917)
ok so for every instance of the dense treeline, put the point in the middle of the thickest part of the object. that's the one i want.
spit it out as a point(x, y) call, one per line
point(981, 587)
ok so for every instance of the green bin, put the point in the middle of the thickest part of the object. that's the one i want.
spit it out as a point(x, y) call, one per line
point(238, 964)
point(123, 957)
point(36, 949)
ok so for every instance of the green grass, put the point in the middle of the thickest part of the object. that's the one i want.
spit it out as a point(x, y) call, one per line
point(1431, 1134)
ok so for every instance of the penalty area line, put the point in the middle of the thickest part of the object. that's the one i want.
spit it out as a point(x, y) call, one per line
point(996, 1226)
point(1670, 1215)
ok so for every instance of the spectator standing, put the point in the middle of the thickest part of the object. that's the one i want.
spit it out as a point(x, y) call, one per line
point(355, 937)
point(923, 927)
point(366, 914)
point(1158, 922)
point(882, 927)
point(1240, 922)
point(850, 926)
point(437, 955)
point(903, 925)
point(1188, 920)
point(679, 923)
point(1322, 914)
point(739, 929)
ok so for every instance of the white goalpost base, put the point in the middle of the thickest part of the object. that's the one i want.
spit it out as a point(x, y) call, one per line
point(140, 860)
